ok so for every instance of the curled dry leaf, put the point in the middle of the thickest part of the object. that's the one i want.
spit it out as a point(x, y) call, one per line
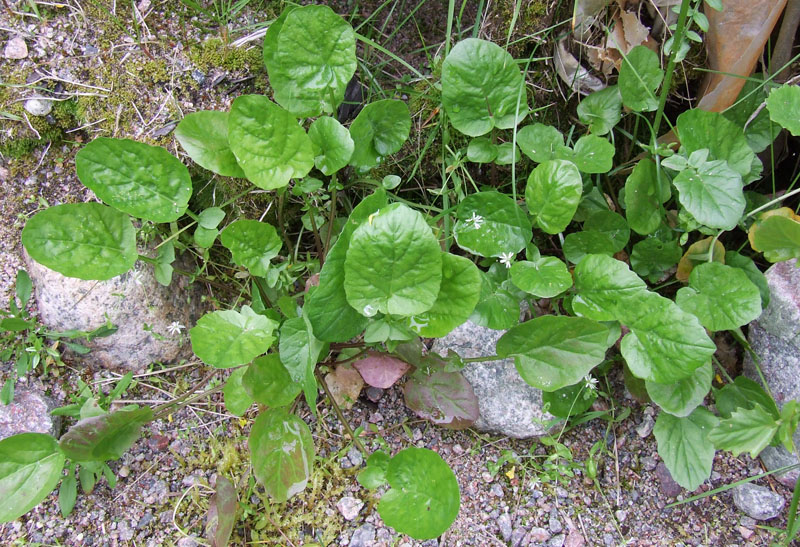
point(571, 71)
point(381, 370)
point(345, 385)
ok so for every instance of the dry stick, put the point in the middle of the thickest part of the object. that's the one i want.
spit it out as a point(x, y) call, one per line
point(782, 52)
point(340, 415)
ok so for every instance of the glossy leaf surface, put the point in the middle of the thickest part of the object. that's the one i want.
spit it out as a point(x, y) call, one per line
point(104, 437)
point(490, 224)
point(458, 295)
point(30, 467)
point(684, 445)
point(380, 129)
point(332, 144)
point(204, 136)
point(228, 338)
point(252, 244)
point(268, 382)
point(553, 193)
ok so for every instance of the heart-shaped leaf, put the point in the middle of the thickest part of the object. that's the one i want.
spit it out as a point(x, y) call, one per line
point(445, 398)
point(553, 193)
point(544, 278)
point(593, 154)
point(481, 150)
point(490, 224)
point(83, 240)
point(228, 338)
point(639, 76)
point(712, 194)
point(237, 400)
point(683, 444)
point(777, 236)
point(282, 452)
point(682, 397)
point(783, 104)
point(204, 136)
point(30, 467)
point(104, 437)
point(268, 382)
point(482, 88)
point(604, 284)
point(542, 142)
point(747, 430)
point(333, 146)
point(252, 244)
point(601, 110)
point(498, 305)
point(380, 129)
point(756, 277)
point(652, 257)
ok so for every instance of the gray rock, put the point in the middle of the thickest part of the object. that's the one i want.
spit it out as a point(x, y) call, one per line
point(504, 523)
point(775, 338)
point(539, 535)
point(556, 541)
point(16, 48)
point(758, 502)
point(646, 427)
point(668, 485)
point(349, 507)
point(28, 413)
point(148, 316)
point(355, 457)
point(508, 405)
point(364, 536)
point(39, 106)
point(555, 525)
point(518, 536)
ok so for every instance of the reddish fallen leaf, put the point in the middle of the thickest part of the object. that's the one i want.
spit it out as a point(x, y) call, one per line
point(221, 513)
point(345, 385)
point(445, 398)
point(381, 370)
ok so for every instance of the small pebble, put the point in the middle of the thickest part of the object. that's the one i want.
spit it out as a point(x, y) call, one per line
point(555, 525)
point(646, 427)
point(759, 502)
point(349, 507)
point(504, 523)
point(517, 535)
point(38, 107)
point(747, 533)
point(621, 515)
point(374, 394)
point(16, 48)
point(355, 457)
point(124, 471)
point(363, 536)
point(539, 535)
point(556, 541)
point(649, 463)
point(496, 490)
point(668, 485)
point(458, 449)
point(487, 477)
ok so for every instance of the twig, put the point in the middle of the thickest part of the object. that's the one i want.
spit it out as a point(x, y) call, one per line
point(339, 413)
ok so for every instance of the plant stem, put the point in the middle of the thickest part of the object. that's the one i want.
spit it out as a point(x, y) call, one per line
point(317, 240)
point(676, 44)
point(482, 359)
point(187, 398)
point(331, 217)
point(340, 415)
point(773, 202)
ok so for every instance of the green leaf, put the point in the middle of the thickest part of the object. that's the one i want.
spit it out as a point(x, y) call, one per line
point(221, 513)
point(665, 344)
point(68, 494)
point(747, 430)
point(374, 475)
point(273, 32)
point(393, 264)
point(783, 104)
point(142, 180)
point(380, 129)
point(482, 88)
point(722, 297)
point(498, 306)
point(682, 397)
point(237, 400)
point(644, 194)
point(331, 317)
point(760, 131)
point(542, 143)
point(15, 324)
point(300, 352)
point(210, 218)
point(593, 154)
point(553, 193)
point(457, 298)
point(225, 339)
point(507, 154)
point(7, 393)
point(490, 224)
point(252, 244)
point(712, 194)
point(698, 130)
point(332, 144)
point(604, 285)
point(652, 257)
point(281, 451)
point(551, 352)
point(580, 244)
point(684, 447)
point(311, 61)
point(23, 288)
point(736, 260)
point(743, 393)
point(105, 437)
point(445, 398)
point(639, 77)
point(543, 278)
point(203, 237)
point(601, 110)
point(388, 329)
point(30, 467)
point(204, 136)
point(268, 382)
point(778, 237)
point(83, 240)
point(268, 143)
point(481, 150)
point(569, 400)
point(424, 499)
point(611, 224)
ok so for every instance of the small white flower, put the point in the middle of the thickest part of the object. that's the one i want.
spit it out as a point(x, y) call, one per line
point(506, 258)
point(476, 220)
point(590, 382)
point(175, 328)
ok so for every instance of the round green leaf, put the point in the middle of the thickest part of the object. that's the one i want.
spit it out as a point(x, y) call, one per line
point(747, 113)
point(778, 237)
point(712, 194)
point(252, 244)
point(736, 260)
point(682, 397)
point(498, 306)
point(311, 60)
point(424, 499)
point(639, 77)
point(569, 400)
point(271, 37)
point(142, 180)
point(665, 344)
point(544, 278)
point(698, 130)
point(542, 143)
point(105, 437)
point(611, 224)
point(380, 129)
point(579, 244)
point(204, 238)
point(551, 352)
point(644, 194)
point(204, 136)
point(333, 146)
point(282, 451)
point(30, 467)
point(83, 240)
point(653, 257)
point(491, 224)
point(684, 446)
point(601, 110)
point(507, 154)
point(393, 264)
point(225, 339)
point(374, 476)
point(553, 193)
point(268, 382)
point(593, 154)
point(481, 150)
point(604, 284)
point(482, 88)
point(722, 297)
point(237, 400)
point(783, 104)
point(458, 296)
point(210, 218)
point(268, 143)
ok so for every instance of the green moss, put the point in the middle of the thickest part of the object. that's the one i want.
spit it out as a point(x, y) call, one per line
point(214, 53)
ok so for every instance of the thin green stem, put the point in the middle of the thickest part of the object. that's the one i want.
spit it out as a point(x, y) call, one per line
point(772, 202)
point(340, 415)
point(482, 359)
point(676, 44)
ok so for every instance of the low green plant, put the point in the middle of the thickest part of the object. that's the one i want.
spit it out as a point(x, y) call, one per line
point(392, 271)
